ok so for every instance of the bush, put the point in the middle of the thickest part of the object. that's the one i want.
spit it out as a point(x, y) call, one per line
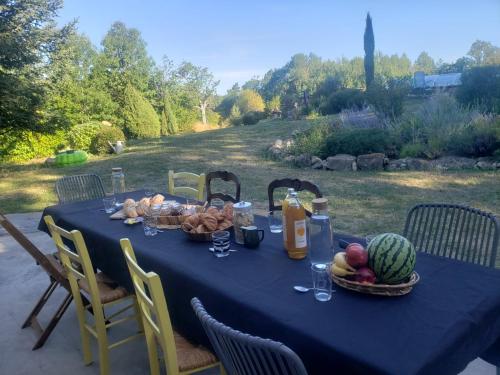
point(411, 150)
point(362, 141)
point(364, 118)
point(250, 101)
point(481, 138)
point(343, 99)
point(481, 87)
point(23, 145)
point(388, 99)
point(251, 118)
point(140, 118)
point(111, 134)
point(80, 136)
point(312, 141)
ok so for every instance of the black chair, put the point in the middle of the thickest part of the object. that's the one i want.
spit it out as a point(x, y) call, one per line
point(224, 176)
point(79, 188)
point(298, 185)
point(454, 231)
point(242, 354)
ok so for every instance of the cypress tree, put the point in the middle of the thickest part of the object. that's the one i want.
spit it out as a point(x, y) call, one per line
point(369, 44)
point(168, 119)
point(140, 118)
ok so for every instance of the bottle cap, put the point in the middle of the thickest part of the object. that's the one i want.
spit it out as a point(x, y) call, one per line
point(320, 204)
point(116, 169)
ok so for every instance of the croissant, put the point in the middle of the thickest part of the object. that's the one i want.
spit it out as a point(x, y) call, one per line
point(157, 199)
point(209, 221)
point(128, 203)
point(200, 229)
point(212, 211)
point(130, 212)
point(187, 227)
point(193, 220)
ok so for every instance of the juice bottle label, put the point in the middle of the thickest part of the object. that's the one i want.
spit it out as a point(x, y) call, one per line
point(300, 234)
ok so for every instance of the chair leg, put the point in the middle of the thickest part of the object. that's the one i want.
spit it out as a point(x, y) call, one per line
point(41, 302)
point(102, 341)
point(154, 360)
point(53, 322)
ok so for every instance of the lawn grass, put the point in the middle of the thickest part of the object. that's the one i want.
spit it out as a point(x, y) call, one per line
point(361, 202)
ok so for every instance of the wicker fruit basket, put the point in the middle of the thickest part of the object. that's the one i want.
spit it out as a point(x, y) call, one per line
point(378, 289)
point(203, 236)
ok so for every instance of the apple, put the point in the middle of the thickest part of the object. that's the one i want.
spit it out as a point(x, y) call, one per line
point(356, 255)
point(365, 275)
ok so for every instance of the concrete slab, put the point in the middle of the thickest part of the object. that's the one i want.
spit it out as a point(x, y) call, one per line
point(21, 284)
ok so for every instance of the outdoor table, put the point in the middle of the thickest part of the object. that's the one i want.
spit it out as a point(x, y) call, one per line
point(450, 318)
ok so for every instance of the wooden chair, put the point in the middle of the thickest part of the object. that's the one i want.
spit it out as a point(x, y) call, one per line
point(454, 231)
point(298, 185)
point(243, 354)
point(102, 291)
point(79, 188)
point(224, 176)
point(181, 357)
point(55, 271)
point(196, 193)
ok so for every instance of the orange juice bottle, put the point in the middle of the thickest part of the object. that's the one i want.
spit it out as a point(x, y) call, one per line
point(296, 239)
point(284, 207)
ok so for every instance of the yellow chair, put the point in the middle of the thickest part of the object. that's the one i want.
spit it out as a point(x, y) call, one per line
point(102, 291)
point(199, 180)
point(181, 357)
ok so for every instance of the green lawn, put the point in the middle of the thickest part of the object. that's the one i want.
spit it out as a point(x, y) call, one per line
point(362, 203)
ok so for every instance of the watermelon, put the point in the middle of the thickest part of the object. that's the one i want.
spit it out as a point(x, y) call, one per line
point(391, 257)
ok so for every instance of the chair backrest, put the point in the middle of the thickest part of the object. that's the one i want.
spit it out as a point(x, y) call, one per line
point(153, 308)
point(243, 354)
point(454, 231)
point(77, 264)
point(79, 188)
point(34, 251)
point(198, 179)
point(298, 185)
point(224, 176)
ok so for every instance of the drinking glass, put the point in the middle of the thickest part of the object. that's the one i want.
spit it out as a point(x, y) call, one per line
point(322, 282)
point(275, 219)
point(109, 204)
point(221, 243)
point(149, 224)
point(191, 205)
point(217, 203)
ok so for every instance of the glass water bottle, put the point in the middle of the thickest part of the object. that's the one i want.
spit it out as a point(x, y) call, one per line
point(320, 239)
point(118, 180)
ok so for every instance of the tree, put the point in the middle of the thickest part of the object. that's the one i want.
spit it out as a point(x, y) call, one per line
point(481, 87)
point(250, 101)
point(140, 118)
point(369, 44)
point(168, 119)
point(425, 63)
point(484, 53)
point(28, 38)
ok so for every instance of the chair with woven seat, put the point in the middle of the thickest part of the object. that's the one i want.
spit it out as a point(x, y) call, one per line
point(296, 184)
point(101, 291)
point(79, 188)
point(197, 179)
point(454, 231)
point(243, 354)
point(224, 176)
point(57, 276)
point(181, 357)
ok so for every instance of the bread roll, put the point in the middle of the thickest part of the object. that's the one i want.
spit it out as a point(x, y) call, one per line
point(129, 202)
point(157, 199)
point(145, 201)
point(130, 212)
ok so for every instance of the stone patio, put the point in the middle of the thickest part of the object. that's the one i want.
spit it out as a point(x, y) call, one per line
point(21, 284)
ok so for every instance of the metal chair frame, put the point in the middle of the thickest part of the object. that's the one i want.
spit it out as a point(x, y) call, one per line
point(454, 231)
point(243, 354)
point(298, 185)
point(224, 176)
point(79, 188)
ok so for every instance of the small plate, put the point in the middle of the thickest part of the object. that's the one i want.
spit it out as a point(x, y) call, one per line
point(133, 220)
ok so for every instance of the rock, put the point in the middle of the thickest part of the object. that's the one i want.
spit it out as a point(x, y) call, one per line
point(289, 159)
point(371, 162)
point(278, 143)
point(341, 162)
point(486, 164)
point(415, 164)
point(303, 160)
point(397, 165)
point(316, 163)
point(452, 162)
point(296, 132)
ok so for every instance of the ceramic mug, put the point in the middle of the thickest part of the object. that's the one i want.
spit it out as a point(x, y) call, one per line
point(252, 236)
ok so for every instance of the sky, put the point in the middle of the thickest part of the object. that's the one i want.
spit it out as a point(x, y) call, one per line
point(237, 40)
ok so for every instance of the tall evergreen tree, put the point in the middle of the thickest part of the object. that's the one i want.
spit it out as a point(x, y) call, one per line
point(141, 120)
point(168, 119)
point(369, 44)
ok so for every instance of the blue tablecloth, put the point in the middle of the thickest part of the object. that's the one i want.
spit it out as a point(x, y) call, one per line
point(450, 317)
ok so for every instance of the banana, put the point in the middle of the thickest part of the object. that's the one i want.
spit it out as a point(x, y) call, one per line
point(340, 261)
point(338, 271)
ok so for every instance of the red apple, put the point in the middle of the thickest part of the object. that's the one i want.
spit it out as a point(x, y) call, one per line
point(356, 255)
point(365, 275)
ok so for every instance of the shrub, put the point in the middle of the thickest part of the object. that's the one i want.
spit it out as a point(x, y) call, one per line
point(140, 118)
point(80, 136)
point(481, 87)
point(362, 141)
point(23, 145)
point(250, 101)
point(343, 99)
point(388, 99)
point(312, 141)
point(251, 118)
point(111, 134)
point(480, 138)
point(413, 150)
point(364, 118)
